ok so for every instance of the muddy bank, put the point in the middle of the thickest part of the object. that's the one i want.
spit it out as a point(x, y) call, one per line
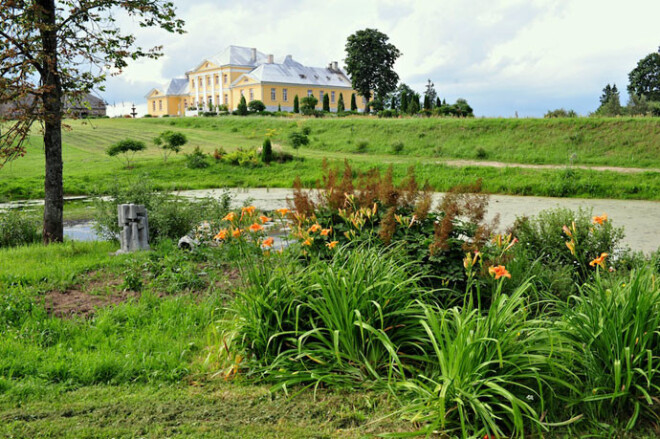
point(641, 219)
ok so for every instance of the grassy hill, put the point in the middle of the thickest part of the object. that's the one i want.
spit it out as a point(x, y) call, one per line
point(365, 142)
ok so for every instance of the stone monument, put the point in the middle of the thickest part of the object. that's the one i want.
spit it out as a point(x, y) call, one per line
point(134, 233)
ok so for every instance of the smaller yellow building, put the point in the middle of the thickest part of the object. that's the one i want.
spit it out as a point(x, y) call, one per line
point(241, 71)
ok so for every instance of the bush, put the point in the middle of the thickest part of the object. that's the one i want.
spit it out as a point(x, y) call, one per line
point(397, 147)
point(18, 228)
point(170, 217)
point(481, 153)
point(560, 112)
point(256, 106)
point(128, 148)
point(241, 109)
point(387, 113)
point(170, 142)
point(219, 153)
point(296, 105)
point(298, 139)
point(308, 105)
point(244, 158)
point(361, 146)
point(197, 159)
point(267, 152)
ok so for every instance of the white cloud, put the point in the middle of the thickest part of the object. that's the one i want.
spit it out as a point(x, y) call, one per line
point(502, 55)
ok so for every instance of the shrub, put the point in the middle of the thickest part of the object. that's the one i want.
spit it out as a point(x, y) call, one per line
point(267, 151)
point(387, 113)
point(256, 106)
point(361, 146)
point(481, 153)
point(126, 147)
point(196, 159)
point(244, 158)
point(296, 105)
point(340, 103)
point(306, 130)
point(326, 102)
point(18, 228)
point(170, 142)
point(560, 113)
point(353, 103)
point(308, 105)
point(397, 147)
point(219, 153)
point(147, 115)
point(242, 109)
point(298, 139)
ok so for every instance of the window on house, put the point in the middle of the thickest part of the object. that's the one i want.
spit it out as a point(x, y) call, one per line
point(208, 80)
point(321, 96)
point(217, 80)
point(199, 80)
point(185, 103)
point(364, 100)
point(309, 93)
point(224, 78)
point(153, 105)
point(332, 97)
point(285, 95)
point(226, 100)
point(251, 95)
point(160, 104)
point(273, 94)
point(302, 76)
point(217, 99)
point(210, 101)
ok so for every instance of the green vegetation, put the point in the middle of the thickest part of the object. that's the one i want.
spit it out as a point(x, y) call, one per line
point(428, 141)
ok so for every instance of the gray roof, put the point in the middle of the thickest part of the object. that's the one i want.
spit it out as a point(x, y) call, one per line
point(174, 87)
point(292, 72)
point(237, 56)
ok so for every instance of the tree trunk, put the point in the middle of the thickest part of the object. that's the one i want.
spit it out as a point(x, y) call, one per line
point(53, 230)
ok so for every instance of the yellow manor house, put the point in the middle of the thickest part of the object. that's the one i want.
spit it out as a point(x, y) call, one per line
point(242, 71)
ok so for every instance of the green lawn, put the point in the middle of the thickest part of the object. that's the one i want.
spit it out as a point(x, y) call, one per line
point(426, 142)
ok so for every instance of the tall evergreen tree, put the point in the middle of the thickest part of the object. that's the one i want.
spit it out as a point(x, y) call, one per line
point(326, 102)
point(393, 103)
point(340, 103)
point(242, 109)
point(267, 151)
point(296, 105)
point(427, 102)
point(610, 102)
point(413, 106)
point(438, 102)
point(353, 103)
point(404, 102)
point(431, 94)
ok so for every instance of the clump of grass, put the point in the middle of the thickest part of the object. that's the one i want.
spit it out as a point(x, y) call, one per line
point(361, 146)
point(397, 147)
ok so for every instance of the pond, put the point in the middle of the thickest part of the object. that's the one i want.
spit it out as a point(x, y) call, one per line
point(81, 231)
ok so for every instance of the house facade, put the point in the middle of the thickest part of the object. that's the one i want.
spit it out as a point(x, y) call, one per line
point(242, 71)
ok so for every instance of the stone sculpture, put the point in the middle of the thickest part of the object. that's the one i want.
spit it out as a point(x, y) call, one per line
point(134, 225)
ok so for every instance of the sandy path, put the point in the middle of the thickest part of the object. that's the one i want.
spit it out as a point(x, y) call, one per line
point(641, 219)
point(461, 163)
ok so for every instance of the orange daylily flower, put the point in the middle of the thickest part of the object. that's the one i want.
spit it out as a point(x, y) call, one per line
point(282, 212)
point(256, 227)
point(264, 218)
point(222, 235)
point(314, 228)
point(600, 219)
point(499, 271)
point(307, 242)
point(571, 246)
point(236, 233)
point(326, 232)
point(332, 244)
point(268, 242)
point(567, 231)
point(469, 261)
point(600, 260)
point(231, 216)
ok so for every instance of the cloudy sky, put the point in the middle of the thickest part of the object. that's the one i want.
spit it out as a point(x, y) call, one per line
point(503, 56)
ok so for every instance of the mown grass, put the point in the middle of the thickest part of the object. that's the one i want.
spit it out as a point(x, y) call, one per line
point(613, 142)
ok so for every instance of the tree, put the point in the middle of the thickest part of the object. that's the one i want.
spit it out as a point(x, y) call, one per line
point(170, 142)
point(413, 105)
point(126, 147)
point(404, 101)
point(610, 102)
point(353, 103)
point(438, 102)
point(644, 80)
point(50, 49)
point(296, 105)
point(308, 105)
point(340, 103)
point(279, 108)
point(369, 62)
point(429, 93)
point(267, 151)
point(638, 105)
point(242, 109)
point(256, 106)
point(326, 102)
point(393, 103)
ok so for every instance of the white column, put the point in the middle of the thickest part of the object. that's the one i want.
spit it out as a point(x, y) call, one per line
point(213, 89)
point(197, 87)
point(205, 80)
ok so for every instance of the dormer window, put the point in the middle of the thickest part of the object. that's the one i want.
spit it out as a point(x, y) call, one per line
point(302, 76)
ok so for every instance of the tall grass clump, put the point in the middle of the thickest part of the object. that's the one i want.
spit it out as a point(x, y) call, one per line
point(615, 327)
point(324, 323)
point(18, 228)
point(481, 374)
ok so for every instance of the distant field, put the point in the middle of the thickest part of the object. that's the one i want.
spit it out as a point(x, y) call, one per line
point(425, 144)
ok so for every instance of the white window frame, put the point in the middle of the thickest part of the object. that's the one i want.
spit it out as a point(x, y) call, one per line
point(273, 94)
point(332, 97)
point(285, 95)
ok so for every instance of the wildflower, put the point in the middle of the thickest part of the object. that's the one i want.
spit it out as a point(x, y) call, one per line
point(326, 232)
point(256, 227)
point(600, 260)
point(307, 242)
point(249, 210)
point(499, 271)
point(222, 235)
point(264, 219)
point(236, 233)
point(567, 231)
point(268, 242)
point(282, 212)
point(469, 261)
point(231, 216)
point(600, 219)
point(571, 246)
point(332, 244)
point(314, 228)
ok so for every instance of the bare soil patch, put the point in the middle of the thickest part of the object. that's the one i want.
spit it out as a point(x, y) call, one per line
point(75, 302)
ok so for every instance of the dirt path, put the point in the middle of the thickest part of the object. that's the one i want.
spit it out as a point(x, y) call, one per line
point(460, 163)
point(641, 219)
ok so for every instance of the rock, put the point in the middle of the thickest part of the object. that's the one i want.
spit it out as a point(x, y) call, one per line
point(188, 243)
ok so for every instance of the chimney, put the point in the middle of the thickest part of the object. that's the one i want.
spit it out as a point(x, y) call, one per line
point(270, 59)
point(335, 66)
point(254, 54)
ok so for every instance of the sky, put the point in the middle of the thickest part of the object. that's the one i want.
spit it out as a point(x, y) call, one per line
point(506, 57)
